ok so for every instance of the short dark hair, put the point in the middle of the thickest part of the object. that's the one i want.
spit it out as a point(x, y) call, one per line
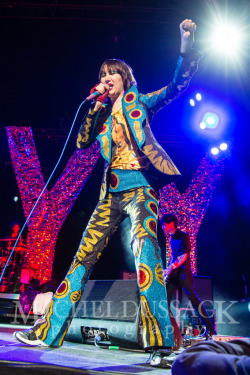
point(169, 218)
point(122, 68)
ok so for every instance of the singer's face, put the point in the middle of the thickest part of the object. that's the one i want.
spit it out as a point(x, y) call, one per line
point(114, 80)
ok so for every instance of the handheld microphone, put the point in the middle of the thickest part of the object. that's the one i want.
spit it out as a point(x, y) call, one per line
point(95, 94)
point(92, 96)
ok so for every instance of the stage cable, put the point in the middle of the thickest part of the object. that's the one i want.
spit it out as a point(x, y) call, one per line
point(51, 175)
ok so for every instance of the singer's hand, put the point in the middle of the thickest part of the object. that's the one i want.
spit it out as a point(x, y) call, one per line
point(187, 28)
point(103, 90)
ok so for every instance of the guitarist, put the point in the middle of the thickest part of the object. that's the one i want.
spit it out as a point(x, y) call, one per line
point(178, 272)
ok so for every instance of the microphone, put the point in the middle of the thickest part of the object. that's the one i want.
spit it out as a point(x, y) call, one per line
point(95, 94)
point(92, 96)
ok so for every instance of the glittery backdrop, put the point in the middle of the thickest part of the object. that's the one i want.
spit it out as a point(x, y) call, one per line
point(54, 205)
point(191, 206)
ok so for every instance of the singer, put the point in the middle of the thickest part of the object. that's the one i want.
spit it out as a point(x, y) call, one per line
point(136, 167)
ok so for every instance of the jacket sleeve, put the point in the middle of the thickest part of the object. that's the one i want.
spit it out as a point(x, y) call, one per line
point(186, 66)
point(86, 134)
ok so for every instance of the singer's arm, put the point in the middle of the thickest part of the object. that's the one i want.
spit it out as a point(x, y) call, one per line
point(85, 136)
point(186, 66)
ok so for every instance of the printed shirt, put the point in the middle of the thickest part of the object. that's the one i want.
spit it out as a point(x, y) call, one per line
point(125, 153)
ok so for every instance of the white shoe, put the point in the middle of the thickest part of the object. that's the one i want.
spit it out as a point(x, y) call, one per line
point(28, 337)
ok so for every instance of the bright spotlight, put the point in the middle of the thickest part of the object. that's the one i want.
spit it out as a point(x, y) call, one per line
point(203, 125)
point(223, 146)
point(226, 36)
point(198, 97)
point(214, 151)
point(226, 39)
point(211, 120)
point(192, 102)
point(15, 199)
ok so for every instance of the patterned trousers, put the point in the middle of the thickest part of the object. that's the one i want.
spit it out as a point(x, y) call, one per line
point(141, 205)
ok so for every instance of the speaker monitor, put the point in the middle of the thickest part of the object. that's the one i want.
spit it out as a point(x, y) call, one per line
point(108, 309)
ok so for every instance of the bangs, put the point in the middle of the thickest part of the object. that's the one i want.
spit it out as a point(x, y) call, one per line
point(111, 65)
point(122, 68)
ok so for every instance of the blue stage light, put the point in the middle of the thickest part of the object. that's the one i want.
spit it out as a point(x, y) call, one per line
point(211, 120)
point(215, 151)
point(192, 102)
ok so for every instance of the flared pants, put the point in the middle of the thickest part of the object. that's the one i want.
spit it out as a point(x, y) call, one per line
point(141, 205)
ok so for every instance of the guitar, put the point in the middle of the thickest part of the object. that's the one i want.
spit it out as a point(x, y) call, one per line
point(167, 274)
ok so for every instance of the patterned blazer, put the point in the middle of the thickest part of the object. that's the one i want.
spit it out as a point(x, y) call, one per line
point(138, 110)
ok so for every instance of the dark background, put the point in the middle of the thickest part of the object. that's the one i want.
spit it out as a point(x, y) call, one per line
point(50, 56)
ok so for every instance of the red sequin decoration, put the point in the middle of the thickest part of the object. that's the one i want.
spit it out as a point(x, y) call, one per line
point(152, 225)
point(154, 194)
point(62, 288)
point(113, 180)
point(142, 277)
point(153, 207)
point(129, 97)
point(135, 113)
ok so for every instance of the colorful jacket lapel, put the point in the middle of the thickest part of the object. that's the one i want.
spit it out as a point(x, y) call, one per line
point(135, 114)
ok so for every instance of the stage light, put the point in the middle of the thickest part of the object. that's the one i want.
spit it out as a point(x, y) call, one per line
point(15, 199)
point(211, 120)
point(203, 125)
point(214, 151)
point(192, 102)
point(223, 146)
point(248, 306)
point(227, 39)
point(198, 97)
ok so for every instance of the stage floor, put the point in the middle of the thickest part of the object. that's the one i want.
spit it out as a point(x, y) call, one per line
point(71, 358)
